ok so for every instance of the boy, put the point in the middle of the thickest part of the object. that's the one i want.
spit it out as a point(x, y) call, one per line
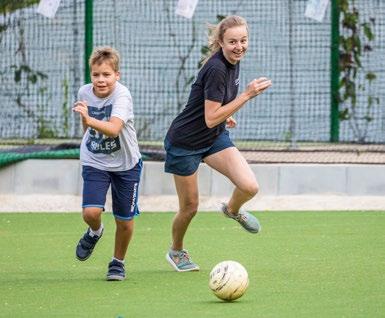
point(109, 154)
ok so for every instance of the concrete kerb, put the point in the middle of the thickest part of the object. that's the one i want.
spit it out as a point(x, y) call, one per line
point(55, 185)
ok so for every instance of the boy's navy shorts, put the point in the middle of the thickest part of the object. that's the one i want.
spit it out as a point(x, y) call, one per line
point(124, 190)
point(184, 162)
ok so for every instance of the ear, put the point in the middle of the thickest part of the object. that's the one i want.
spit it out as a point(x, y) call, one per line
point(118, 75)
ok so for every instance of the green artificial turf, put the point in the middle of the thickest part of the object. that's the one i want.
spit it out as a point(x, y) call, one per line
point(302, 264)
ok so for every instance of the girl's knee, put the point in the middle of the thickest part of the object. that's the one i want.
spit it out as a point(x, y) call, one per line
point(251, 189)
point(190, 208)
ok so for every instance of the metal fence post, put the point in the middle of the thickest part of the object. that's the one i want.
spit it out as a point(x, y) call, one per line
point(334, 71)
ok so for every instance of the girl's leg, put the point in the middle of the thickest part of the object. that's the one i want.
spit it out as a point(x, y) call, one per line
point(234, 166)
point(187, 190)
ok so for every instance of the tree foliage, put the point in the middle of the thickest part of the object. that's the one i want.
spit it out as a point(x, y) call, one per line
point(9, 6)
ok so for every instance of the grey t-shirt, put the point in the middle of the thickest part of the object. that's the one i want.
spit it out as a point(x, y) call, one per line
point(103, 152)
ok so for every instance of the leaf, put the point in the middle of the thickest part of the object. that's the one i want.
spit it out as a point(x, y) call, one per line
point(17, 75)
point(32, 78)
point(220, 17)
point(344, 114)
point(368, 31)
point(370, 76)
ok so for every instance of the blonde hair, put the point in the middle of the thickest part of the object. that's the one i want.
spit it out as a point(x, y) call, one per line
point(216, 33)
point(105, 54)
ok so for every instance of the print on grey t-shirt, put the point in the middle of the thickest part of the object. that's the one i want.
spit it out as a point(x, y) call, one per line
point(97, 142)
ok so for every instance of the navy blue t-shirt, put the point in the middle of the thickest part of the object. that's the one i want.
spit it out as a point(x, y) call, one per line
point(218, 81)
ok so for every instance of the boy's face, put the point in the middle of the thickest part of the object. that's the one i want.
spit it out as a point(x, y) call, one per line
point(235, 43)
point(103, 78)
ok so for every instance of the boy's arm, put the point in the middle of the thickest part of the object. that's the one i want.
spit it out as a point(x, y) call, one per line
point(84, 126)
point(109, 128)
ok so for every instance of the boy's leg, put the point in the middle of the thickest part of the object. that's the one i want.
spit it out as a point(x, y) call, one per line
point(95, 187)
point(187, 190)
point(93, 217)
point(123, 235)
point(86, 245)
point(125, 190)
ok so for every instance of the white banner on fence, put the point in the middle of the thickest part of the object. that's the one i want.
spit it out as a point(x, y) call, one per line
point(48, 8)
point(186, 8)
point(316, 9)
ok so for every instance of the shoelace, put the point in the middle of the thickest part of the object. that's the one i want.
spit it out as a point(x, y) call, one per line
point(183, 257)
point(242, 217)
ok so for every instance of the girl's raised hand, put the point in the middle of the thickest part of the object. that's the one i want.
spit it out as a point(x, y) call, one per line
point(258, 86)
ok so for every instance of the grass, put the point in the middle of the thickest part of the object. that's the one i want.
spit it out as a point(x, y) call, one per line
point(302, 264)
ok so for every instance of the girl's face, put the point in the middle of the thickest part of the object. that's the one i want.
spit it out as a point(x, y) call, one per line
point(103, 78)
point(235, 43)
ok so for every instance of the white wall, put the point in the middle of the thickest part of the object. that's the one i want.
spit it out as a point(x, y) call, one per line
point(64, 177)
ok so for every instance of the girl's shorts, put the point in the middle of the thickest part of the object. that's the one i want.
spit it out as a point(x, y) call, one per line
point(184, 162)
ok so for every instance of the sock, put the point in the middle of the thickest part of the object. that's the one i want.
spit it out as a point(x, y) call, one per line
point(98, 232)
point(118, 260)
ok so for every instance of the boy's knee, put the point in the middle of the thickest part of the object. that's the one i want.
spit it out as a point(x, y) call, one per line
point(91, 213)
point(124, 225)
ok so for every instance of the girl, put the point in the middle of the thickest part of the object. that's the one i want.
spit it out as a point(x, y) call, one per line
point(199, 133)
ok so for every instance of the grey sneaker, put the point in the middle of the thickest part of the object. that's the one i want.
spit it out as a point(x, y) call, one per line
point(116, 271)
point(86, 245)
point(180, 261)
point(248, 221)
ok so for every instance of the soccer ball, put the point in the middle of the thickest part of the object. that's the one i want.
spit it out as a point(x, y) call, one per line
point(228, 280)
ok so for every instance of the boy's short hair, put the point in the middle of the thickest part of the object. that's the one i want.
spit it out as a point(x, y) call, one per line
point(105, 54)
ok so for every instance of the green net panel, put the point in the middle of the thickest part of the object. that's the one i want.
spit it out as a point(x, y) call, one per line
point(42, 67)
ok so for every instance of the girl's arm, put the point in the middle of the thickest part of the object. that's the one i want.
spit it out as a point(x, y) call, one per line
point(215, 113)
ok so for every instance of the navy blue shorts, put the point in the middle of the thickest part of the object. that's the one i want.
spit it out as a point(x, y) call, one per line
point(124, 190)
point(184, 162)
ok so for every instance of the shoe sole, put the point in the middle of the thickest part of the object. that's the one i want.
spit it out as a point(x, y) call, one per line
point(251, 231)
point(82, 259)
point(115, 278)
point(194, 269)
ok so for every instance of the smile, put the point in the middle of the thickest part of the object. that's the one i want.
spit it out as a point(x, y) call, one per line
point(238, 53)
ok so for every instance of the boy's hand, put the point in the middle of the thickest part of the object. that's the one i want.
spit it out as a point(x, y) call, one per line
point(81, 108)
point(257, 86)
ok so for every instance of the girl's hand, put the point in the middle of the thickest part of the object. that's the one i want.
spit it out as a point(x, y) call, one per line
point(257, 86)
point(231, 122)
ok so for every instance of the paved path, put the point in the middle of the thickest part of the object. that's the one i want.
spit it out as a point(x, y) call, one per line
point(70, 203)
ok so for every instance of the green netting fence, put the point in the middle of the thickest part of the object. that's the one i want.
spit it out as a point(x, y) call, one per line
point(42, 66)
